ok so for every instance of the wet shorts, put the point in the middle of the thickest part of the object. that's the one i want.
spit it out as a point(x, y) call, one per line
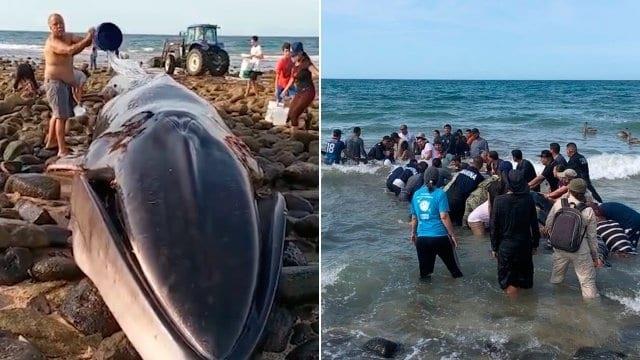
point(60, 98)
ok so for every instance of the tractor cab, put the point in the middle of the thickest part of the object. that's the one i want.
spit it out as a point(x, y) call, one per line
point(203, 34)
point(197, 50)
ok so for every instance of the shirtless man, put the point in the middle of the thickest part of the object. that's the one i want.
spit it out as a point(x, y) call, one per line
point(59, 50)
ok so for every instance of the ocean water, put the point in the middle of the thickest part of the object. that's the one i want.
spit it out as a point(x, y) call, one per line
point(22, 44)
point(370, 283)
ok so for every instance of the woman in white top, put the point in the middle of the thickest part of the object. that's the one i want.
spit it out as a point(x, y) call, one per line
point(256, 56)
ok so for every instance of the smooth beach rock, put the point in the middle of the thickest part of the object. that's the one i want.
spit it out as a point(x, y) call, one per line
point(307, 351)
point(14, 265)
point(28, 159)
point(592, 353)
point(4, 201)
point(40, 304)
point(296, 147)
point(271, 170)
point(381, 347)
point(308, 227)
point(11, 167)
point(278, 330)
point(45, 153)
point(57, 235)
point(29, 236)
point(299, 285)
point(285, 157)
point(13, 349)
point(305, 137)
point(33, 213)
point(15, 149)
point(302, 173)
point(301, 333)
point(86, 311)
point(293, 256)
point(34, 169)
point(50, 335)
point(55, 268)
point(34, 185)
point(10, 214)
point(116, 347)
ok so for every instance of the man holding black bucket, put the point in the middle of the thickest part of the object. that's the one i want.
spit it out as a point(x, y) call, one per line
point(59, 50)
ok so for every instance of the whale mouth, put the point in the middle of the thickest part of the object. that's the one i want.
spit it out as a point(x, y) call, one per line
point(105, 253)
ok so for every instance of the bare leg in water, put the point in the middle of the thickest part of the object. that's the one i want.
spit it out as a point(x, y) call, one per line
point(511, 291)
point(62, 146)
point(51, 135)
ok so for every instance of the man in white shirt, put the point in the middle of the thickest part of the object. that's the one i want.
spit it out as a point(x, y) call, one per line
point(256, 56)
point(407, 136)
point(427, 153)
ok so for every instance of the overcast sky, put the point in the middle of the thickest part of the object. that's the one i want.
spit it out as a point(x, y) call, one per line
point(481, 39)
point(237, 17)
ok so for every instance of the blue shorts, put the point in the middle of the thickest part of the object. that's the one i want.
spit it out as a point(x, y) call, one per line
point(291, 92)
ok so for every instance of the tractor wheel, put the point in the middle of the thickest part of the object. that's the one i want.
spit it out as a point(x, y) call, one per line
point(218, 62)
point(195, 62)
point(170, 64)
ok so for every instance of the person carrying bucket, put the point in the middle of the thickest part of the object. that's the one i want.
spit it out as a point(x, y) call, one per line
point(59, 49)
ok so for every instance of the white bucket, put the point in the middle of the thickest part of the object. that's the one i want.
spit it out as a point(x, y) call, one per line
point(276, 113)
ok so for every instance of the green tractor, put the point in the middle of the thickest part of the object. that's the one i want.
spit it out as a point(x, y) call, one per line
point(197, 51)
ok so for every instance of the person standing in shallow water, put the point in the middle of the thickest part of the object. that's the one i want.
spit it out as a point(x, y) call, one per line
point(302, 75)
point(431, 229)
point(514, 235)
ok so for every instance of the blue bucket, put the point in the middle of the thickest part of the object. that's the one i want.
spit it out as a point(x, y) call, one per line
point(108, 37)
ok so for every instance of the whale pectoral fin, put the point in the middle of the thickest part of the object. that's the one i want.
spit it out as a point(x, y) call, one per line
point(272, 214)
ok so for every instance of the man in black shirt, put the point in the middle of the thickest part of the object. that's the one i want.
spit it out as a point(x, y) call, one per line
point(579, 163)
point(382, 150)
point(555, 152)
point(527, 168)
point(465, 182)
point(447, 140)
point(546, 158)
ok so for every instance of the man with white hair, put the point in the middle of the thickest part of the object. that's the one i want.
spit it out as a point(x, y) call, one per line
point(59, 49)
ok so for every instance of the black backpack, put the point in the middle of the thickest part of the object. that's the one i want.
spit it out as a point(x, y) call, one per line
point(566, 231)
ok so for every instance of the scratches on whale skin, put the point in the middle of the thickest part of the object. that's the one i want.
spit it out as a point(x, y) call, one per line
point(131, 129)
point(243, 153)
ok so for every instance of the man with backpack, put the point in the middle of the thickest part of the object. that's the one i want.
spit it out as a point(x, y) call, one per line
point(572, 227)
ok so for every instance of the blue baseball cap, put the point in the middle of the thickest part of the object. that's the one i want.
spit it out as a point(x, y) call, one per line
point(296, 48)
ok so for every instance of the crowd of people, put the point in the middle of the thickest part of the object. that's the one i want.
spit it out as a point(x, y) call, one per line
point(457, 180)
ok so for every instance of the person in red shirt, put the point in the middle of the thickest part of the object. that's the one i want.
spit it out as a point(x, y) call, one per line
point(283, 73)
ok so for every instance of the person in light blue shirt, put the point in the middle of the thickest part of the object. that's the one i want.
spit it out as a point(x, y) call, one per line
point(431, 227)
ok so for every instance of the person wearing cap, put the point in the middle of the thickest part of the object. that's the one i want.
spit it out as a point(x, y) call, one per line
point(464, 183)
point(421, 141)
point(579, 163)
point(477, 144)
point(564, 176)
point(405, 135)
point(302, 74)
point(334, 148)
point(515, 235)
point(382, 150)
point(526, 166)
point(283, 73)
point(431, 228)
point(255, 56)
point(546, 158)
point(355, 147)
point(586, 259)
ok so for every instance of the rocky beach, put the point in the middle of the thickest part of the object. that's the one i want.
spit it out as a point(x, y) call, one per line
point(50, 310)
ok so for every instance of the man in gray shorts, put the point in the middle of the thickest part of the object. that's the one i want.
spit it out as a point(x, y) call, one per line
point(59, 50)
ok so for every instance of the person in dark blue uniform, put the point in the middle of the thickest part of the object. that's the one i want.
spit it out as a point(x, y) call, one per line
point(399, 176)
point(579, 163)
point(334, 148)
point(463, 185)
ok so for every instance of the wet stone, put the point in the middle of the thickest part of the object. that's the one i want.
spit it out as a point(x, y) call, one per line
point(307, 351)
point(56, 268)
point(293, 256)
point(34, 185)
point(278, 330)
point(86, 311)
point(382, 347)
point(13, 349)
point(14, 265)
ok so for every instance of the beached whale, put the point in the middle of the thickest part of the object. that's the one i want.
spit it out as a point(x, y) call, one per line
point(166, 225)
